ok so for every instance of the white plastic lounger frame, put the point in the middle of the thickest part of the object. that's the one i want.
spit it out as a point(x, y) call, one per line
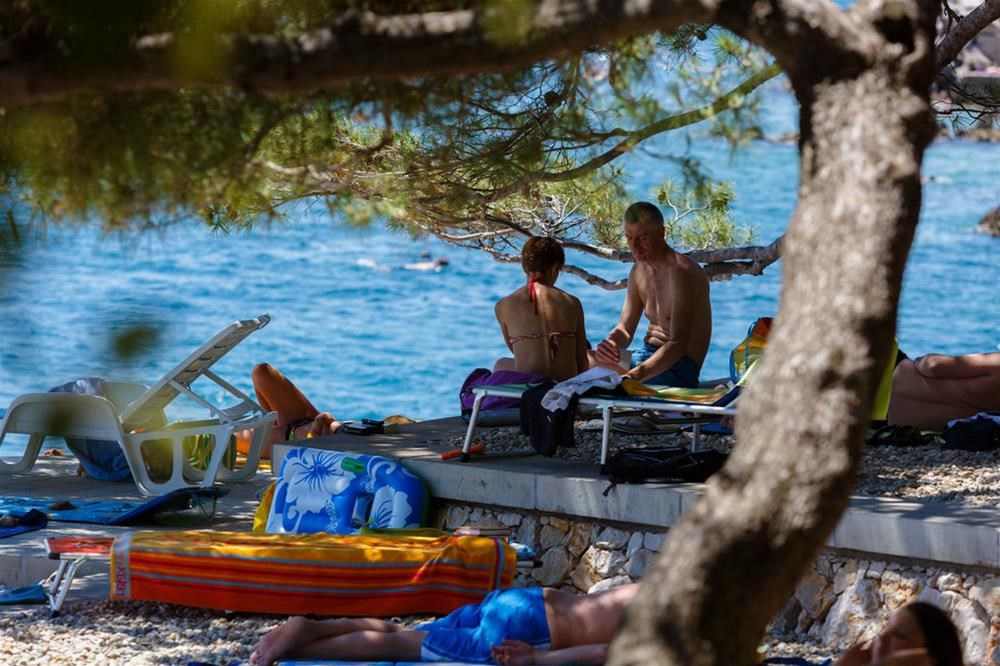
point(61, 580)
point(607, 406)
point(122, 420)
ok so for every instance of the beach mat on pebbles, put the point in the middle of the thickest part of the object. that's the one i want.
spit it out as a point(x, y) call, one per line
point(178, 504)
point(32, 594)
point(322, 662)
point(19, 522)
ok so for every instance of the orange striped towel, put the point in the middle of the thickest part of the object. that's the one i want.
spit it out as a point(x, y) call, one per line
point(324, 574)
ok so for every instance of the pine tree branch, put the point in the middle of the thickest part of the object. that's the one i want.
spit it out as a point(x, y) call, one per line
point(357, 45)
point(634, 138)
point(964, 31)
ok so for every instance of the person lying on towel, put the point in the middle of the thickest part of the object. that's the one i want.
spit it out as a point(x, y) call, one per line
point(532, 625)
point(931, 390)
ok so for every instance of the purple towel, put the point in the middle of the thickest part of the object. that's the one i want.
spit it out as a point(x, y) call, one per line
point(483, 377)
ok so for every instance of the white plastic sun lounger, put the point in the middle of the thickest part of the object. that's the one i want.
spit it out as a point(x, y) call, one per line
point(607, 406)
point(124, 416)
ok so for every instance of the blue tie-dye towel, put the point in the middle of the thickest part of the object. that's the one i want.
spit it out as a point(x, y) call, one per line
point(339, 493)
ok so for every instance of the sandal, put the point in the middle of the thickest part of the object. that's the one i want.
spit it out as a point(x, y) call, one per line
point(900, 435)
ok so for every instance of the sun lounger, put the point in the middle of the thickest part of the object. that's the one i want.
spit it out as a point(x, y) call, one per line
point(71, 553)
point(132, 418)
point(698, 403)
point(721, 404)
point(477, 566)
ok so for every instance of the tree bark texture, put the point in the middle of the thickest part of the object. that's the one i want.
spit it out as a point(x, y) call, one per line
point(733, 560)
point(358, 45)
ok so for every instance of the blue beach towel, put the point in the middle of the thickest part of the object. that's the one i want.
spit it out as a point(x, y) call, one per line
point(101, 459)
point(27, 521)
point(321, 662)
point(338, 493)
point(116, 513)
point(32, 594)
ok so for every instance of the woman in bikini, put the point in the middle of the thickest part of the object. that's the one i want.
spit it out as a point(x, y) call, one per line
point(543, 326)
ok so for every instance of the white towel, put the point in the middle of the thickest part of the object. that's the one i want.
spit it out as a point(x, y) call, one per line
point(558, 396)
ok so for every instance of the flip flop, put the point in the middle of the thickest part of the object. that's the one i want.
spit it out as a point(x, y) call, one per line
point(642, 425)
point(900, 435)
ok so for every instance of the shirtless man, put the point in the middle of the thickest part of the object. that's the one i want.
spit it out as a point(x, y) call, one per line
point(672, 291)
point(531, 625)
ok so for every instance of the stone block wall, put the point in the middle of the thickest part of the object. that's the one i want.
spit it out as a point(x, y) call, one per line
point(840, 600)
point(843, 599)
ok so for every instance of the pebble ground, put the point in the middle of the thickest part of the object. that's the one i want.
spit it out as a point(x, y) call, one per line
point(147, 634)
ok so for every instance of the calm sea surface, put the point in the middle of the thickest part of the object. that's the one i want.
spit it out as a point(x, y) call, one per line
point(365, 338)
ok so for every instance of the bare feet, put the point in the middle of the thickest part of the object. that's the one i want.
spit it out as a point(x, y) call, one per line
point(323, 424)
point(284, 639)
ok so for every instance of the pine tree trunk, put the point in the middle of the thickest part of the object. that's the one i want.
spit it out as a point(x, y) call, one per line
point(733, 560)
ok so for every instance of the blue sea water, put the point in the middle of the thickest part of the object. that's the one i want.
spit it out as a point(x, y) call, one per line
point(363, 337)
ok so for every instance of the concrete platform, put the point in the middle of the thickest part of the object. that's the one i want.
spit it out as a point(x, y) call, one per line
point(879, 527)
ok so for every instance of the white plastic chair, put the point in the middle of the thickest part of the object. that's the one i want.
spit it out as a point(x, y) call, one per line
point(132, 415)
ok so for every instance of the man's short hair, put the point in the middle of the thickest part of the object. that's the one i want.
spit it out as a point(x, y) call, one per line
point(644, 212)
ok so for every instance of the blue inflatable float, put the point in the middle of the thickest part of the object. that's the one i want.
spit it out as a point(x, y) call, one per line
point(339, 493)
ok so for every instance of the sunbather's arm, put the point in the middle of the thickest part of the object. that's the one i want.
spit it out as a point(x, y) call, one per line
point(518, 652)
point(609, 349)
point(581, 340)
point(503, 327)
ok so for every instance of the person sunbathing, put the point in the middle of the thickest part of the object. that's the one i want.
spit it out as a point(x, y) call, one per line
point(918, 634)
point(931, 390)
point(543, 326)
point(530, 625)
point(297, 417)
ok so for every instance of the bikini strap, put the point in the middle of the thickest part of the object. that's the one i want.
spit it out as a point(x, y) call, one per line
point(553, 345)
point(551, 338)
point(531, 293)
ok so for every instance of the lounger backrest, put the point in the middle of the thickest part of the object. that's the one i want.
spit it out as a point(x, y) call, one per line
point(154, 401)
point(746, 353)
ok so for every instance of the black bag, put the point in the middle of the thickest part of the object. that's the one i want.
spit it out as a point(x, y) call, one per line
point(546, 430)
point(670, 464)
point(978, 433)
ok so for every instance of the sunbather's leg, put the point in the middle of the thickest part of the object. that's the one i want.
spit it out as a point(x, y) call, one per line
point(277, 393)
point(365, 646)
point(966, 366)
point(505, 363)
point(936, 389)
point(291, 636)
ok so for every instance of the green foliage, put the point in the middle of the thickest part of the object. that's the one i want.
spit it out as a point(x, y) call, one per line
point(133, 342)
point(478, 160)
